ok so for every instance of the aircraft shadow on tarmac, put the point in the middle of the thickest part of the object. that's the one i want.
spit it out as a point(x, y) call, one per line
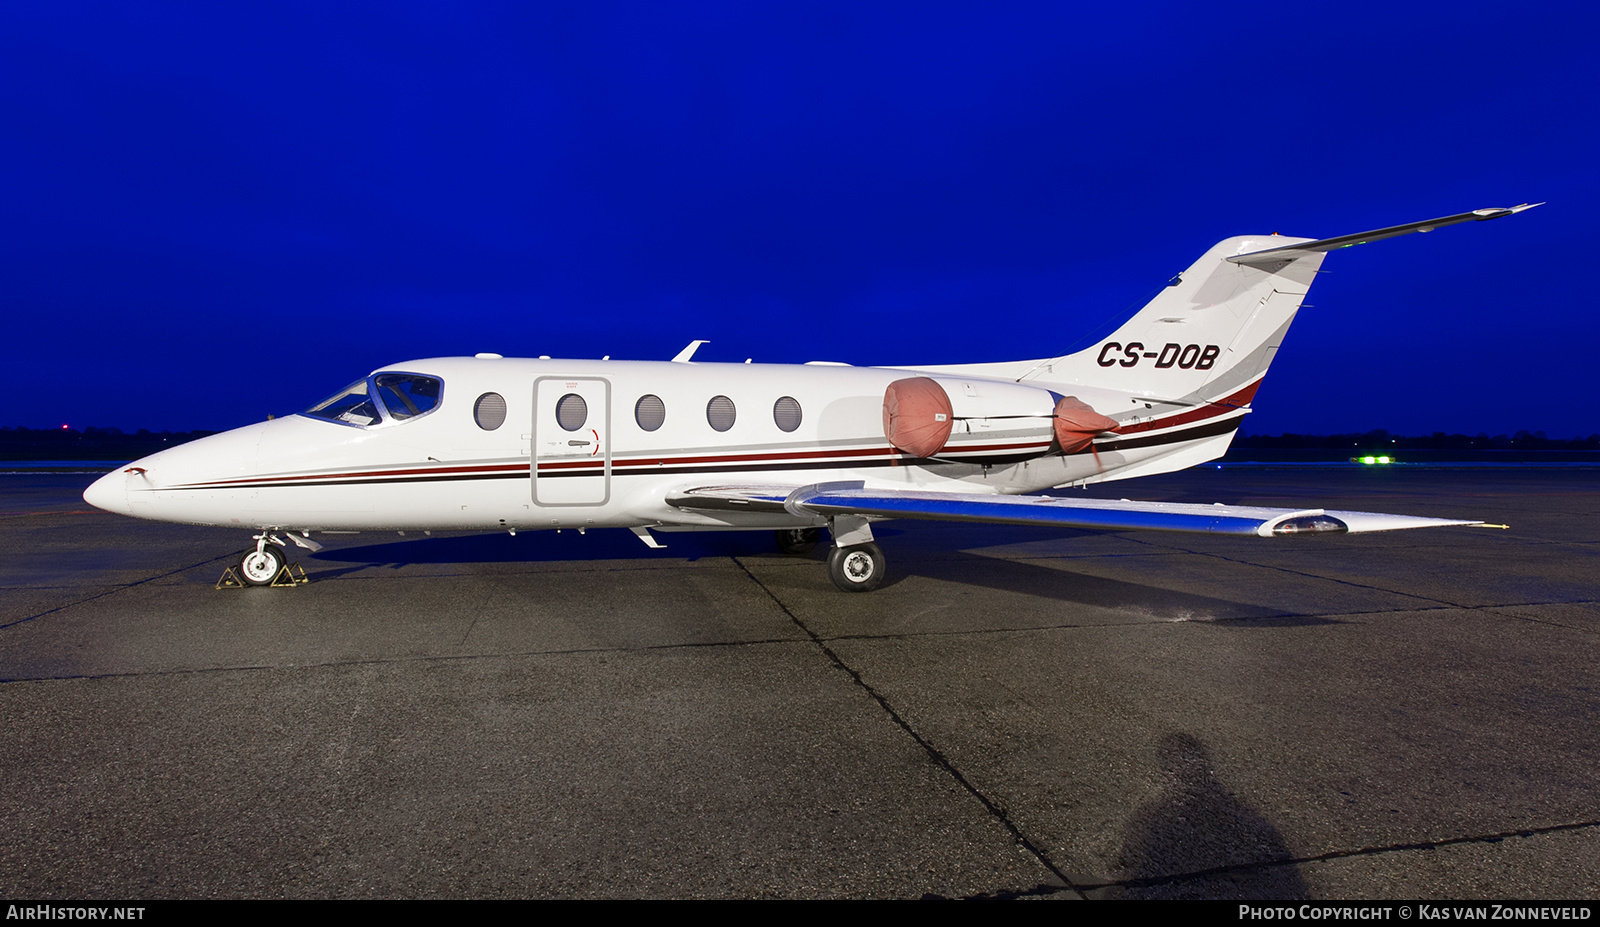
point(912, 559)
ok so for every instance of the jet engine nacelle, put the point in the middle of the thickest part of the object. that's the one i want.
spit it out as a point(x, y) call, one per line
point(943, 416)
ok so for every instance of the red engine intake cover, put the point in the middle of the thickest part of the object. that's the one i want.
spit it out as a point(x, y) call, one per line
point(917, 417)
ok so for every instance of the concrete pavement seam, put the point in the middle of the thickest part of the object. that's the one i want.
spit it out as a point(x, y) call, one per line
point(933, 752)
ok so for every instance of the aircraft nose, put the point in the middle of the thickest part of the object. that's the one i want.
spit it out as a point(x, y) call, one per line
point(109, 492)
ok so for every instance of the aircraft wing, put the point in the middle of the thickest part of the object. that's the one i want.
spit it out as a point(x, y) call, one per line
point(853, 498)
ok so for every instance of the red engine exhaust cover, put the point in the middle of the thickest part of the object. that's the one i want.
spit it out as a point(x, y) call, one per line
point(1077, 424)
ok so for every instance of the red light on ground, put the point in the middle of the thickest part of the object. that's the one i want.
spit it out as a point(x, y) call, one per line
point(65, 426)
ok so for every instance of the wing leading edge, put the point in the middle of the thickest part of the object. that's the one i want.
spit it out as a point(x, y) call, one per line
point(853, 498)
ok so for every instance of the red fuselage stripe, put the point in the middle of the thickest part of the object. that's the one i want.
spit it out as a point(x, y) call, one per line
point(1213, 409)
point(842, 456)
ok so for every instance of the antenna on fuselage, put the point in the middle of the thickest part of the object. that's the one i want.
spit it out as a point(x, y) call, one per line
point(688, 352)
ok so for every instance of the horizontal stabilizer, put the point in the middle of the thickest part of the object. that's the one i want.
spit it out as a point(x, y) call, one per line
point(1304, 248)
point(831, 499)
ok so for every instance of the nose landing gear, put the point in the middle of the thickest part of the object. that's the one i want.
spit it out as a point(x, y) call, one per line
point(261, 567)
point(267, 565)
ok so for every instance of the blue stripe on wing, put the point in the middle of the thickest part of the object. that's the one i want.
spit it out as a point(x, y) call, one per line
point(853, 498)
point(1096, 514)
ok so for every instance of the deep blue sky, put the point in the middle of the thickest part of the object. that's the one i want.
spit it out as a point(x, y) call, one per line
point(213, 213)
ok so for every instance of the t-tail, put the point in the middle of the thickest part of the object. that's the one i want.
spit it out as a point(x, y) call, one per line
point(1205, 341)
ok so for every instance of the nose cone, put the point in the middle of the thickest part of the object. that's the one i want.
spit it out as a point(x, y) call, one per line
point(109, 492)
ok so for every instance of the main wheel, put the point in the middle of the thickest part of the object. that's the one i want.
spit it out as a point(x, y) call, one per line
point(261, 567)
point(858, 568)
point(798, 540)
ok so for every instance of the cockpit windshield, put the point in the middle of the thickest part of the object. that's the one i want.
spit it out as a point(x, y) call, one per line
point(350, 405)
point(383, 397)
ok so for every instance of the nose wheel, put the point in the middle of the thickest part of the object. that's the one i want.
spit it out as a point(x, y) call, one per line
point(261, 566)
point(857, 568)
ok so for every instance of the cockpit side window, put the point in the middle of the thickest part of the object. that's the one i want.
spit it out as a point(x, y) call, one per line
point(383, 397)
point(351, 405)
point(408, 394)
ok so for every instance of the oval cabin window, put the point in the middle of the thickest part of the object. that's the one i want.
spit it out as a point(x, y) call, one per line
point(572, 412)
point(720, 413)
point(489, 411)
point(649, 412)
point(786, 413)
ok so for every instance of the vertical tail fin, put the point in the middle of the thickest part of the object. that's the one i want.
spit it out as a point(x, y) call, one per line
point(1210, 336)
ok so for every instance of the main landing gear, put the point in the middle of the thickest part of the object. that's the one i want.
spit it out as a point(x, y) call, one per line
point(798, 540)
point(857, 568)
point(855, 563)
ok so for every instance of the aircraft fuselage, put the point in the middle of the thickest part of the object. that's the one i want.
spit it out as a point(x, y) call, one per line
point(614, 467)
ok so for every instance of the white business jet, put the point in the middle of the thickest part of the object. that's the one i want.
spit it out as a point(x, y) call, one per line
point(488, 442)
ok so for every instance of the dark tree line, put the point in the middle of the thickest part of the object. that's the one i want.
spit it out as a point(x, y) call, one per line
point(1438, 441)
point(88, 443)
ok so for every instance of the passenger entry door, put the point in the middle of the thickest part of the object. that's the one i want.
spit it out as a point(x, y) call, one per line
point(571, 441)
